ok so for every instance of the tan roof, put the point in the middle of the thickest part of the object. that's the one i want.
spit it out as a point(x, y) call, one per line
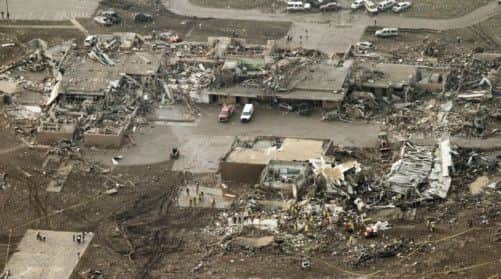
point(291, 150)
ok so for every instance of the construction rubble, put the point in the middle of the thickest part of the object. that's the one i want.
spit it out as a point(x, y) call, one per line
point(254, 191)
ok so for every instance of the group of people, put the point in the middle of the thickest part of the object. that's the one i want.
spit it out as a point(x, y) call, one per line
point(199, 197)
point(41, 237)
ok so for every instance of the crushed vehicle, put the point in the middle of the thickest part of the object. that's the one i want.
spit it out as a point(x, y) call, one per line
point(170, 37)
point(107, 18)
point(90, 41)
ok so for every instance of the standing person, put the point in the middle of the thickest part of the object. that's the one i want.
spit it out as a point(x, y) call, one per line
point(375, 22)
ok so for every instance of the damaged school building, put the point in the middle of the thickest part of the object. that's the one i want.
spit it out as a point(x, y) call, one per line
point(97, 91)
point(295, 194)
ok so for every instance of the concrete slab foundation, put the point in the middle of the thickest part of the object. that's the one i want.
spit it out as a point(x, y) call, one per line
point(54, 258)
point(209, 195)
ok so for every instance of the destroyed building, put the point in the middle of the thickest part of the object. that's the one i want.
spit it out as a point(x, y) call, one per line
point(247, 159)
point(101, 99)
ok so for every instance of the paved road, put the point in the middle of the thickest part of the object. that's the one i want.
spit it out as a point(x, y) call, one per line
point(185, 7)
point(153, 144)
point(333, 32)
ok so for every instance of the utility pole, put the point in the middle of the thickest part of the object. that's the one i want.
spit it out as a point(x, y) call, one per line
point(7, 6)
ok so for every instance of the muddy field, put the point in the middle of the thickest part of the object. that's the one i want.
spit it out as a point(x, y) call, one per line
point(192, 29)
point(443, 8)
point(141, 233)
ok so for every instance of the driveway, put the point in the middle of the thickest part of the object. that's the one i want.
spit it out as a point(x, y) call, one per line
point(206, 140)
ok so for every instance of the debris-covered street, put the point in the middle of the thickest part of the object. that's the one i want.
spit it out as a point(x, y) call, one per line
point(223, 139)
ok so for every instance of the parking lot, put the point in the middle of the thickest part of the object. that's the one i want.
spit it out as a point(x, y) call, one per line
point(153, 143)
point(49, 9)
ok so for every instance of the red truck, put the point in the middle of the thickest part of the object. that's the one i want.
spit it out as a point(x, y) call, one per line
point(226, 113)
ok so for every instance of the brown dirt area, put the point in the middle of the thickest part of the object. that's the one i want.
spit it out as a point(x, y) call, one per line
point(140, 233)
point(443, 8)
point(21, 36)
point(191, 29)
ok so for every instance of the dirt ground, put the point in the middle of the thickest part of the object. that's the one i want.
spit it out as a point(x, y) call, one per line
point(491, 28)
point(21, 36)
point(140, 233)
point(192, 29)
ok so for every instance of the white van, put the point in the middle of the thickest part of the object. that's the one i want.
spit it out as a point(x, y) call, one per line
point(294, 6)
point(247, 113)
point(385, 5)
point(387, 32)
point(371, 7)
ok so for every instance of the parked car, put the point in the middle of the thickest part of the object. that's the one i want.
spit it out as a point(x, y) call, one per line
point(247, 113)
point(364, 45)
point(226, 113)
point(386, 4)
point(143, 17)
point(371, 7)
point(286, 107)
point(296, 6)
point(332, 6)
point(401, 6)
point(357, 4)
point(387, 32)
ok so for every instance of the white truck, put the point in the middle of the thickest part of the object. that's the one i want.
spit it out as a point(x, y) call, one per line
point(247, 113)
point(298, 6)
